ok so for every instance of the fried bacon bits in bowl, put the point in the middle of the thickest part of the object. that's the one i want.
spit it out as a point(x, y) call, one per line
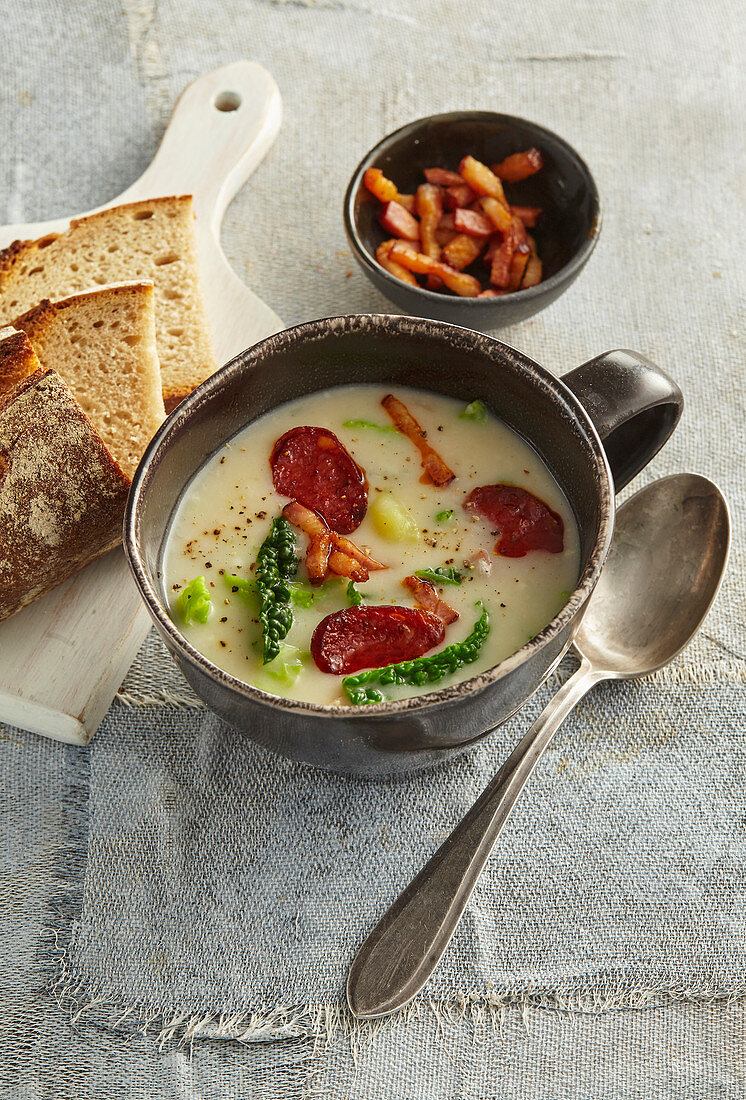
point(471, 217)
point(459, 219)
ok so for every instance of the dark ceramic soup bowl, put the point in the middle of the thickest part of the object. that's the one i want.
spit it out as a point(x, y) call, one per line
point(595, 430)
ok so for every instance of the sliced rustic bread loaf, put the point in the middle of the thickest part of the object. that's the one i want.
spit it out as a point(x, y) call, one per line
point(102, 343)
point(151, 240)
point(62, 495)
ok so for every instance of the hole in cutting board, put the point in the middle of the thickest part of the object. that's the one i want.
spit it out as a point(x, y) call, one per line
point(227, 101)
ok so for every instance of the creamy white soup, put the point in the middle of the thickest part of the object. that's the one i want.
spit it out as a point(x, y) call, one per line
point(410, 526)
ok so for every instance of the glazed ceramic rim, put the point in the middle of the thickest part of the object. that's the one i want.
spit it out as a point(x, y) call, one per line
point(574, 264)
point(178, 422)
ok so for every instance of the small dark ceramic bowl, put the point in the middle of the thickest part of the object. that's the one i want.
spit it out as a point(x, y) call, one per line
point(619, 398)
point(566, 233)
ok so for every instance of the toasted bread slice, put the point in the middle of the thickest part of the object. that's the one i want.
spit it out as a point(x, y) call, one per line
point(62, 495)
point(145, 241)
point(102, 343)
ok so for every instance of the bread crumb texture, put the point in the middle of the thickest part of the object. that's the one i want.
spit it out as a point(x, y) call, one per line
point(103, 344)
point(144, 241)
point(62, 495)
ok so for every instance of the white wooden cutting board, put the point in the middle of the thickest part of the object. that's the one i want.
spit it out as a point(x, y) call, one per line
point(63, 658)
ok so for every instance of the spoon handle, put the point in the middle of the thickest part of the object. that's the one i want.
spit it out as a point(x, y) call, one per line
point(406, 945)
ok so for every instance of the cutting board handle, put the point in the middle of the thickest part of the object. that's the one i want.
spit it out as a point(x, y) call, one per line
point(221, 127)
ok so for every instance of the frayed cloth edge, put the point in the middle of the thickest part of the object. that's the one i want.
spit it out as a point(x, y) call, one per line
point(488, 1009)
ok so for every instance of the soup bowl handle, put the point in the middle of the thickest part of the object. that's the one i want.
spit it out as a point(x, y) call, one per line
point(633, 404)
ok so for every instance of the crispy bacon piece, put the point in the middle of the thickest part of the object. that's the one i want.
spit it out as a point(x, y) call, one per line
point(466, 286)
point(318, 556)
point(462, 251)
point(500, 266)
point(347, 559)
point(481, 179)
point(352, 550)
point(518, 266)
point(533, 273)
point(383, 189)
point(460, 195)
point(445, 236)
point(319, 535)
point(529, 215)
point(498, 214)
point(345, 566)
point(426, 596)
point(398, 221)
point(473, 223)
point(443, 177)
point(429, 205)
point(501, 261)
point(383, 255)
point(519, 166)
point(327, 550)
point(435, 470)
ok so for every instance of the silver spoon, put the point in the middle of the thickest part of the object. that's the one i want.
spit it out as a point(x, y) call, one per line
point(666, 562)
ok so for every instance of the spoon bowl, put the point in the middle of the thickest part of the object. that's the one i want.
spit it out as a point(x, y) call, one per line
point(665, 565)
point(663, 571)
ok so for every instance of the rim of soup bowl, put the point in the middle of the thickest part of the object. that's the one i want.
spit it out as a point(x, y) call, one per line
point(178, 421)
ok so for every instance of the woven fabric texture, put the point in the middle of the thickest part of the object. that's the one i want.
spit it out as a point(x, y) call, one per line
point(221, 879)
point(177, 875)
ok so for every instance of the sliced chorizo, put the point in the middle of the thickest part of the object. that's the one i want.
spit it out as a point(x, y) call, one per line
point(313, 467)
point(522, 521)
point(369, 637)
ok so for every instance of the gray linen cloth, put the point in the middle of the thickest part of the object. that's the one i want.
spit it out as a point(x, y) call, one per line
point(222, 881)
point(173, 870)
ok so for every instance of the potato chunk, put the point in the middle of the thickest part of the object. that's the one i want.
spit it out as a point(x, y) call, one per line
point(392, 520)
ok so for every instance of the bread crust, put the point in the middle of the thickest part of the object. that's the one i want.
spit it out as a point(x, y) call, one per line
point(16, 250)
point(20, 249)
point(9, 256)
point(36, 318)
point(129, 208)
point(17, 359)
point(62, 495)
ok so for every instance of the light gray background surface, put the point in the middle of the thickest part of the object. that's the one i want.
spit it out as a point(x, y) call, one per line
point(652, 95)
